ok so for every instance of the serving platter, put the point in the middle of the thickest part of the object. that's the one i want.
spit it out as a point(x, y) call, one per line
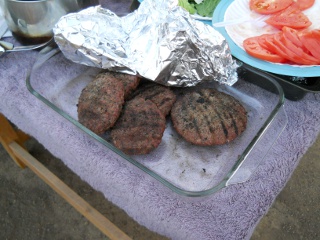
point(235, 34)
point(184, 168)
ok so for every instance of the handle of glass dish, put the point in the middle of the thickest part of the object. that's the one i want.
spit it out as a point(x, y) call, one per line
point(255, 157)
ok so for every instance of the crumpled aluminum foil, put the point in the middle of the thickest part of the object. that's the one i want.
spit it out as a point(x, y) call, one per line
point(159, 41)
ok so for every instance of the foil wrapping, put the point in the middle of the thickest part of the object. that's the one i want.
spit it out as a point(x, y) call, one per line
point(159, 41)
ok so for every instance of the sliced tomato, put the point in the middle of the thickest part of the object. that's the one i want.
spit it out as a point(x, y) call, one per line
point(269, 6)
point(304, 4)
point(311, 41)
point(253, 48)
point(298, 50)
point(264, 38)
point(284, 51)
point(290, 17)
point(275, 48)
point(316, 33)
point(293, 36)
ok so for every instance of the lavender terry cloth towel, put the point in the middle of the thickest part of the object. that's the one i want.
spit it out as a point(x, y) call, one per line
point(231, 213)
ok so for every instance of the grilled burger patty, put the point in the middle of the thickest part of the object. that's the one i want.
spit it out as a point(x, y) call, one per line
point(140, 127)
point(208, 117)
point(100, 103)
point(161, 95)
point(130, 82)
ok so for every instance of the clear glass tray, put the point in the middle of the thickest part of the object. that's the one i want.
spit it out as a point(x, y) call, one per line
point(184, 168)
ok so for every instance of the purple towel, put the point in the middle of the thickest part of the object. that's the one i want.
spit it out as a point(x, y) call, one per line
point(231, 213)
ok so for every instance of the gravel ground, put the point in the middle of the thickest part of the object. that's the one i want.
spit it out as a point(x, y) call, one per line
point(31, 210)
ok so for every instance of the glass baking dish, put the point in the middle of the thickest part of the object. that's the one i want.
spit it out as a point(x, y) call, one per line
point(184, 168)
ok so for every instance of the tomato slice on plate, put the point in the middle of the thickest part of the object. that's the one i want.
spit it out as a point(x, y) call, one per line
point(304, 4)
point(298, 50)
point(264, 38)
point(284, 51)
point(316, 33)
point(311, 41)
point(269, 6)
point(275, 48)
point(253, 48)
point(290, 17)
point(293, 36)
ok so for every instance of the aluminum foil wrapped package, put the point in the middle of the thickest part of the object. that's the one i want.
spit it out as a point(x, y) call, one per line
point(159, 41)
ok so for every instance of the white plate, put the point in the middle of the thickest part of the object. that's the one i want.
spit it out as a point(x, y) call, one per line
point(235, 34)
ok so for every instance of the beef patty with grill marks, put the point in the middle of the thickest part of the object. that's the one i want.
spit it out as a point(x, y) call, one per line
point(100, 104)
point(161, 95)
point(208, 117)
point(140, 127)
point(130, 82)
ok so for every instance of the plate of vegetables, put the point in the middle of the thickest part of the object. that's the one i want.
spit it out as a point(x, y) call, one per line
point(199, 9)
point(286, 42)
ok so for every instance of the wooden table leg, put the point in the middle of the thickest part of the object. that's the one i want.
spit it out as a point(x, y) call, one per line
point(13, 141)
point(8, 135)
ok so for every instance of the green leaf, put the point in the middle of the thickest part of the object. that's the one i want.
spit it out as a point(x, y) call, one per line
point(186, 5)
point(207, 7)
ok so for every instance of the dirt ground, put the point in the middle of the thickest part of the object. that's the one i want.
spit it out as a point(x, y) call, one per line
point(31, 210)
point(296, 212)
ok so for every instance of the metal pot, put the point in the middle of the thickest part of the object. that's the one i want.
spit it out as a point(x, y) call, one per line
point(32, 21)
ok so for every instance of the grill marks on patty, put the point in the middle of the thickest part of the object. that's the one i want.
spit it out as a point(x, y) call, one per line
point(136, 115)
point(130, 82)
point(162, 96)
point(208, 117)
point(137, 125)
point(140, 128)
point(100, 104)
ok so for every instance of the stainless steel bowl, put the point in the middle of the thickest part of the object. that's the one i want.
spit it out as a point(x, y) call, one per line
point(32, 21)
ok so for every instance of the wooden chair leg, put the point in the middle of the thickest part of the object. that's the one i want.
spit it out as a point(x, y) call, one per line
point(13, 141)
point(95, 217)
point(8, 135)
